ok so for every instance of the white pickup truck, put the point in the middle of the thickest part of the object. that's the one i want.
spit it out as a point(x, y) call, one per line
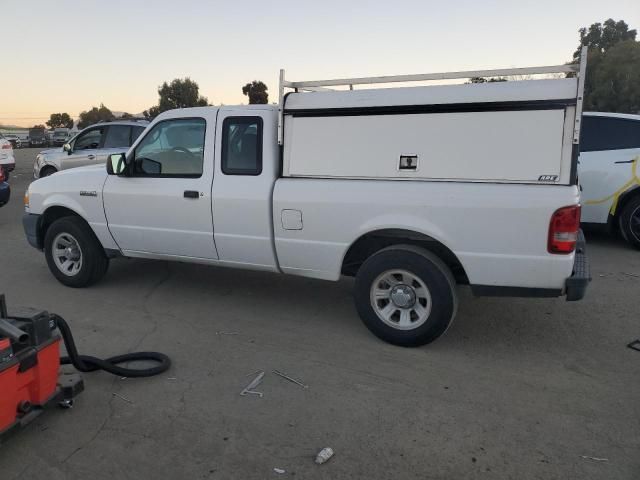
point(409, 190)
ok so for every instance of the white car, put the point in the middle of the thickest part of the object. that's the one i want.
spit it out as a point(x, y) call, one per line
point(7, 160)
point(409, 190)
point(89, 147)
point(609, 173)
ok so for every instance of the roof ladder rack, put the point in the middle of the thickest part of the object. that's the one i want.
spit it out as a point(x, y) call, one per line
point(322, 85)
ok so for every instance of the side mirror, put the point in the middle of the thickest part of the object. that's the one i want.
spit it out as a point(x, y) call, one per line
point(67, 148)
point(116, 164)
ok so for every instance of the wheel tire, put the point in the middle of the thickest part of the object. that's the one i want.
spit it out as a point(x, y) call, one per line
point(46, 171)
point(93, 261)
point(424, 267)
point(630, 222)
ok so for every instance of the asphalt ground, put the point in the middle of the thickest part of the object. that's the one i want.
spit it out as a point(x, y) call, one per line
point(516, 389)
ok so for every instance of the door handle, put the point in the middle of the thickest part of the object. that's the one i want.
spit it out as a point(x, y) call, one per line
point(191, 194)
point(626, 161)
point(91, 157)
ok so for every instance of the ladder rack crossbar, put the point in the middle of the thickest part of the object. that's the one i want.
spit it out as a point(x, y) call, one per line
point(503, 72)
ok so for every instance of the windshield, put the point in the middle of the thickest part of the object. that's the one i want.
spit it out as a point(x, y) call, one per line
point(60, 134)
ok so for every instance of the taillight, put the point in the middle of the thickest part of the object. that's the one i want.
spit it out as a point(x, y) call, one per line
point(6, 146)
point(563, 230)
point(1, 174)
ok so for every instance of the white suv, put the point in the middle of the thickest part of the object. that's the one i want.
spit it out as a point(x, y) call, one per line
point(7, 161)
point(608, 172)
point(91, 146)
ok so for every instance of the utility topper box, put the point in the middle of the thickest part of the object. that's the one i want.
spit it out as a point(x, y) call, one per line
point(508, 132)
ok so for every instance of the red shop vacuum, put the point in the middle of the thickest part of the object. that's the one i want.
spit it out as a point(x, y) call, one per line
point(30, 377)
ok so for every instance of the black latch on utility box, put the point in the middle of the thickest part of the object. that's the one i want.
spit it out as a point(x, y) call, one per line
point(408, 162)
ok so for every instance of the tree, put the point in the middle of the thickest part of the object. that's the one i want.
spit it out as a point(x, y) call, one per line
point(126, 115)
point(257, 92)
point(612, 81)
point(180, 93)
point(60, 120)
point(39, 126)
point(602, 37)
point(95, 115)
point(152, 113)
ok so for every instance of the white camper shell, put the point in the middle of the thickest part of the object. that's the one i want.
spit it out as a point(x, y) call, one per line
point(507, 132)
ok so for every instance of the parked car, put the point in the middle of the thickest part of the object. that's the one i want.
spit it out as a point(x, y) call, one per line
point(5, 190)
point(60, 137)
point(7, 160)
point(375, 184)
point(38, 137)
point(91, 146)
point(609, 173)
point(14, 140)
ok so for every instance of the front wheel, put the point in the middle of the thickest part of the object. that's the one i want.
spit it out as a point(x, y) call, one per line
point(630, 222)
point(74, 254)
point(405, 295)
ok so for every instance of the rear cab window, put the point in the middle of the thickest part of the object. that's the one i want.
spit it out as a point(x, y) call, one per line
point(242, 146)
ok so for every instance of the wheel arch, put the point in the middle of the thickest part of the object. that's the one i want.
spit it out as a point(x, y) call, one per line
point(379, 239)
point(623, 200)
point(50, 215)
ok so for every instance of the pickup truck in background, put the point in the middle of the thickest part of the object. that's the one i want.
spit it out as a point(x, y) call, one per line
point(409, 190)
point(38, 137)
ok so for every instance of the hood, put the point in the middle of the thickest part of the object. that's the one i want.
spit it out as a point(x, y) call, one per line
point(91, 177)
point(52, 151)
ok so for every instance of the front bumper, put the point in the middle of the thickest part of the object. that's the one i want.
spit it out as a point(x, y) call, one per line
point(30, 223)
point(576, 284)
point(5, 193)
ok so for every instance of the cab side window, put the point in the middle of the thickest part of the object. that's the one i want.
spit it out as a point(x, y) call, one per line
point(242, 146)
point(89, 140)
point(172, 148)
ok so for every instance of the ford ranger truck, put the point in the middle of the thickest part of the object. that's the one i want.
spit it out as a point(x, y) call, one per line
point(412, 191)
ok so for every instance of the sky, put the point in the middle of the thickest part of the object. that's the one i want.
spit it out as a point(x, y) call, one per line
point(70, 55)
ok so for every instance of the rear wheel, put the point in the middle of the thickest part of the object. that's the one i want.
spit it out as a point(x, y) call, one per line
point(630, 222)
point(405, 295)
point(74, 254)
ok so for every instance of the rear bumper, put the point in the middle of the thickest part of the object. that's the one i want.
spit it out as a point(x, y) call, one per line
point(576, 284)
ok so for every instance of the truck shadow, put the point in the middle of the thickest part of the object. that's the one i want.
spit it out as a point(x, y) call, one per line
point(286, 302)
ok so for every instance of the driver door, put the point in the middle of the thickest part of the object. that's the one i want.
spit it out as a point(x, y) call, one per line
point(162, 208)
point(84, 149)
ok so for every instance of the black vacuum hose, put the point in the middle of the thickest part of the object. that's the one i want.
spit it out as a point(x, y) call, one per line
point(87, 363)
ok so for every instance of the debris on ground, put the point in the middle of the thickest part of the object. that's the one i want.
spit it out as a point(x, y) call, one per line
point(287, 377)
point(279, 470)
point(249, 389)
point(121, 397)
point(324, 455)
point(635, 345)
point(631, 274)
point(595, 459)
